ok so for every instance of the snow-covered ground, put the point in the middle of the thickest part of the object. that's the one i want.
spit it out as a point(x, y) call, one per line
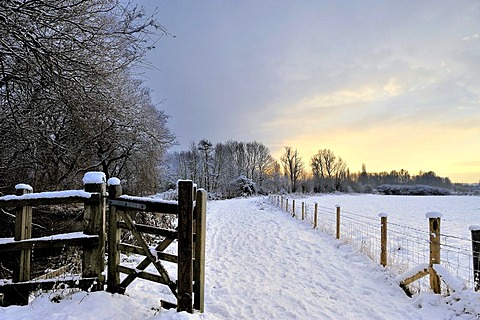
point(263, 264)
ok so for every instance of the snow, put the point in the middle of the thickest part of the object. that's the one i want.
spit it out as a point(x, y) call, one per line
point(410, 273)
point(70, 235)
point(433, 215)
point(263, 264)
point(113, 182)
point(474, 228)
point(146, 199)
point(22, 186)
point(49, 195)
point(453, 282)
point(382, 215)
point(94, 177)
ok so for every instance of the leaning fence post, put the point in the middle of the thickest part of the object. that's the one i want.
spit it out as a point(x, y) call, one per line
point(383, 239)
point(114, 234)
point(315, 216)
point(434, 226)
point(476, 255)
point(93, 261)
point(23, 230)
point(185, 247)
point(338, 221)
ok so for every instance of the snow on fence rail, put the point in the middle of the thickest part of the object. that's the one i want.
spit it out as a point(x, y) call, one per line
point(403, 249)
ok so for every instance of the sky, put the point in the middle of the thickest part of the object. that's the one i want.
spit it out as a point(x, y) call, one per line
point(391, 84)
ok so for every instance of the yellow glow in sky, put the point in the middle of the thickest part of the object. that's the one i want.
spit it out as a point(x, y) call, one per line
point(391, 141)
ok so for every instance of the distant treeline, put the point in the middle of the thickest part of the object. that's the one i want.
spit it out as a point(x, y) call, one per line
point(232, 168)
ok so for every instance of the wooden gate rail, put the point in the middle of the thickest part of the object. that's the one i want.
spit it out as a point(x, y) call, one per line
point(92, 240)
point(190, 259)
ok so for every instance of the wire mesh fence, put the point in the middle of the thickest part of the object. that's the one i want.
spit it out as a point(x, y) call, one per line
point(407, 248)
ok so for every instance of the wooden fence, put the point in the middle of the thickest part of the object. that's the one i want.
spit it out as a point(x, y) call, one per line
point(433, 268)
point(190, 208)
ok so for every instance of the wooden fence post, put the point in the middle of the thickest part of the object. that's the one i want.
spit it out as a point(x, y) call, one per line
point(23, 230)
point(338, 221)
point(434, 226)
point(315, 216)
point(114, 234)
point(93, 261)
point(303, 210)
point(200, 238)
point(286, 204)
point(476, 255)
point(185, 247)
point(293, 208)
point(383, 239)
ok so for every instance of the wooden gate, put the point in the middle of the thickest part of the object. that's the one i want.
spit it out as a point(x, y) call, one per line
point(190, 234)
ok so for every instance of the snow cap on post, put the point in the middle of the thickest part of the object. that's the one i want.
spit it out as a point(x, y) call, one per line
point(474, 228)
point(94, 177)
point(113, 182)
point(22, 186)
point(337, 206)
point(382, 215)
point(433, 214)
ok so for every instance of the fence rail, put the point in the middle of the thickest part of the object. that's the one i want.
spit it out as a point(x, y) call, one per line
point(188, 287)
point(411, 253)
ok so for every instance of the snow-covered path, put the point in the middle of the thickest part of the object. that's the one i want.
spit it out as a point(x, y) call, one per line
point(262, 264)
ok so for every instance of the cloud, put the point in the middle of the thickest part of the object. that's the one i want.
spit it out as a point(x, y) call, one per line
point(474, 36)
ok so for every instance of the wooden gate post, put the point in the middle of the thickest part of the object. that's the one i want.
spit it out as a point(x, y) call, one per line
point(93, 260)
point(315, 216)
point(338, 221)
point(383, 239)
point(434, 223)
point(200, 238)
point(476, 255)
point(23, 230)
point(114, 234)
point(185, 247)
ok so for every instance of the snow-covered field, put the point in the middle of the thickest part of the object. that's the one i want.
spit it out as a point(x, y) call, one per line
point(459, 212)
point(408, 226)
point(263, 264)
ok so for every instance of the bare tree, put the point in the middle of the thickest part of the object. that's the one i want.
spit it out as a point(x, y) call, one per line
point(328, 171)
point(292, 167)
point(68, 98)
